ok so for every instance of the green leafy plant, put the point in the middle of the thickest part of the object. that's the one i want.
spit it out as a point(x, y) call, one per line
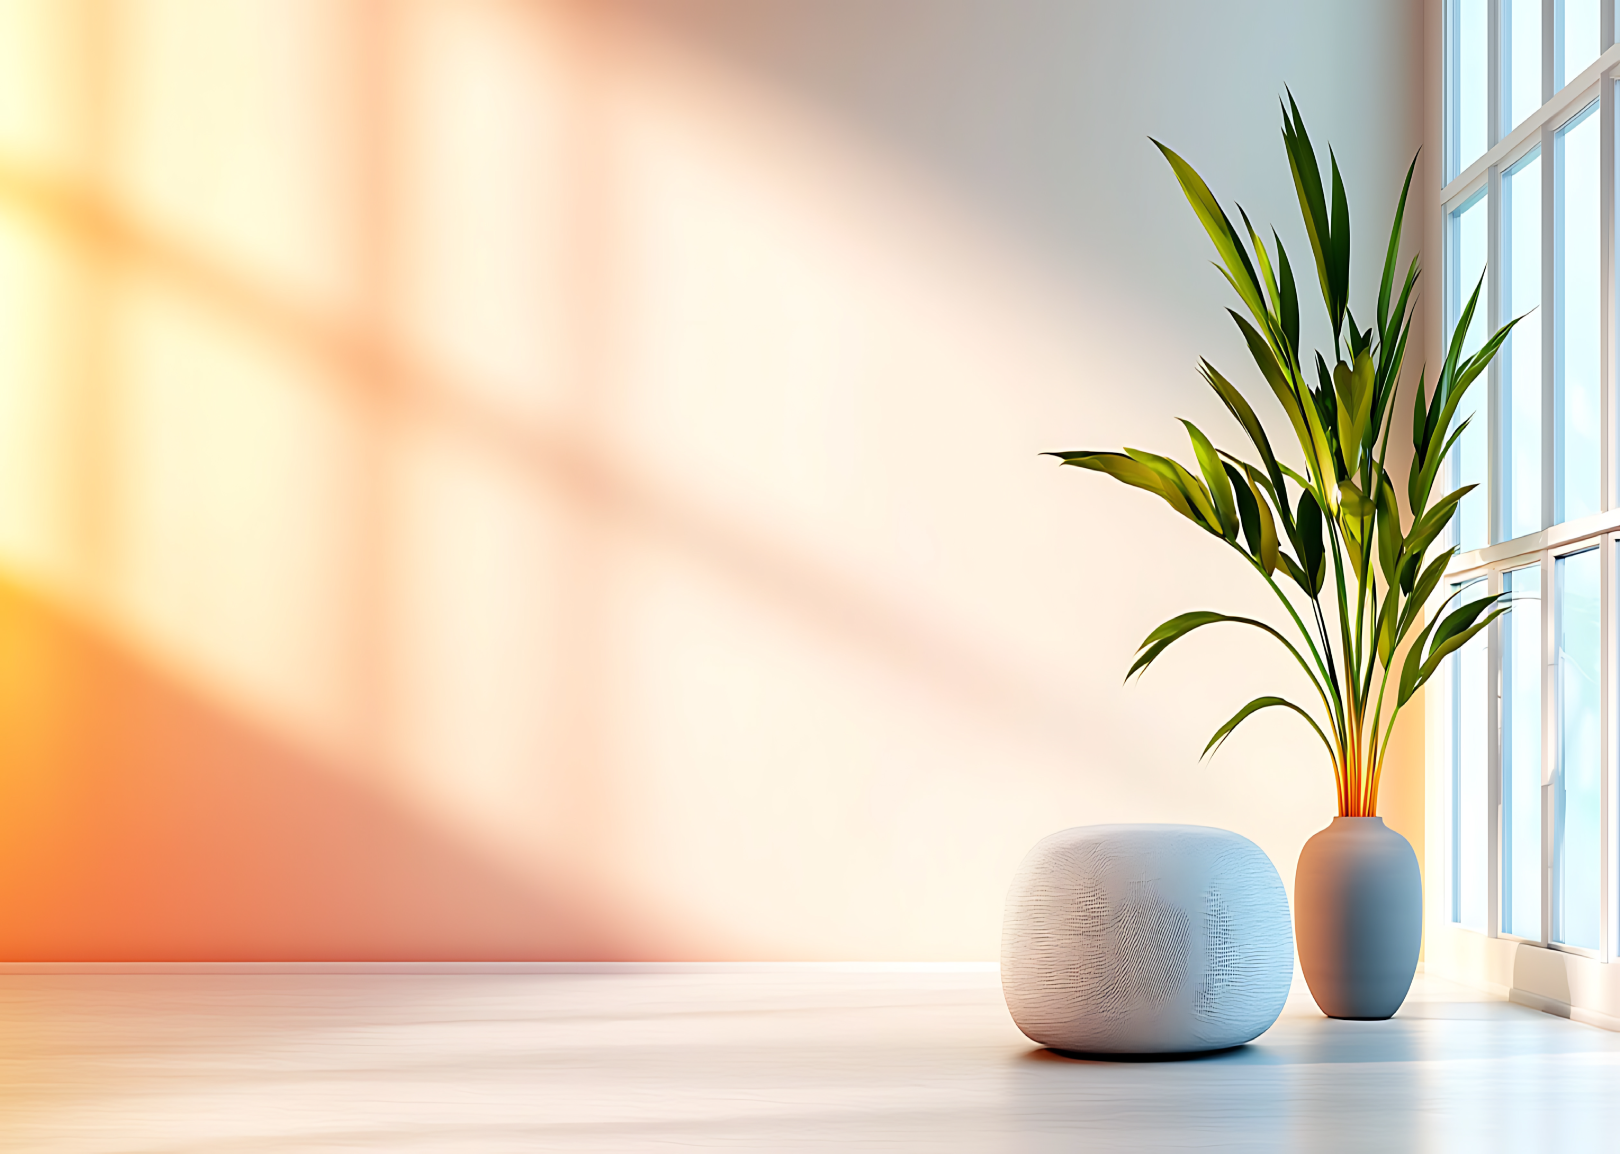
point(1335, 524)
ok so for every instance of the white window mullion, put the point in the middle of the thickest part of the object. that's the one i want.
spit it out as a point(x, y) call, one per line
point(1548, 329)
point(1496, 124)
point(1497, 293)
point(1606, 794)
point(1558, 77)
point(1549, 739)
point(1605, 290)
point(1608, 920)
point(1548, 55)
point(1493, 776)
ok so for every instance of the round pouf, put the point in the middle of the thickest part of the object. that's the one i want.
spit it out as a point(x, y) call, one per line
point(1146, 939)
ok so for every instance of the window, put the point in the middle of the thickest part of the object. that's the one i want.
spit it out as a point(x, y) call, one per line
point(1467, 84)
point(1521, 754)
point(1530, 770)
point(1470, 767)
point(1521, 59)
point(1575, 786)
point(1520, 360)
point(1577, 339)
point(1468, 238)
point(1576, 29)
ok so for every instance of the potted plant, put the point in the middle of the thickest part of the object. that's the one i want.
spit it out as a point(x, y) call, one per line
point(1331, 525)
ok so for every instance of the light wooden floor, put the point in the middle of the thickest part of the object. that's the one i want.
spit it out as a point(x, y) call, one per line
point(750, 1062)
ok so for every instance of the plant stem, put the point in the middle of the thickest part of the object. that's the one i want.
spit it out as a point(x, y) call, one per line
point(1305, 633)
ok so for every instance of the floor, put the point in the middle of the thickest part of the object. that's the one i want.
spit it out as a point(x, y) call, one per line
point(772, 1061)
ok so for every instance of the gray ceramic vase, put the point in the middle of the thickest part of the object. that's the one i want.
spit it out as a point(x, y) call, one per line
point(1358, 917)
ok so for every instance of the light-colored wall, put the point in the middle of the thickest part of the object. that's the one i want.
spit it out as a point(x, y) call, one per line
point(510, 480)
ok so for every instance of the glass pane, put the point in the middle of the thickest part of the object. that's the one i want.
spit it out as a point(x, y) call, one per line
point(1467, 92)
point(1520, 361)
point(1468, 460)
point(1470, 789)
point(1579, 761)
point(1521, 59)
point(1521, 754)
point(1576, 36)
point(1577, 334)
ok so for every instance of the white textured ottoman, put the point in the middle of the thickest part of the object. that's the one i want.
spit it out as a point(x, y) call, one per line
point(1145, 939)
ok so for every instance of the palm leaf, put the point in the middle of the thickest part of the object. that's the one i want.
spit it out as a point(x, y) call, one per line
point(1215, 480)
point(1250, 710)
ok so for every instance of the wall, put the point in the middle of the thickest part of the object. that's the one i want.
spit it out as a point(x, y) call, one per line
point(516, 480)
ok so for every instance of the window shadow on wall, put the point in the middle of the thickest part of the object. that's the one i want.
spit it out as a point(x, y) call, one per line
point(142, 822)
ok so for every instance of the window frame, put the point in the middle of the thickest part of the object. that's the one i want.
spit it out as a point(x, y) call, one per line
point(1507, 145)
